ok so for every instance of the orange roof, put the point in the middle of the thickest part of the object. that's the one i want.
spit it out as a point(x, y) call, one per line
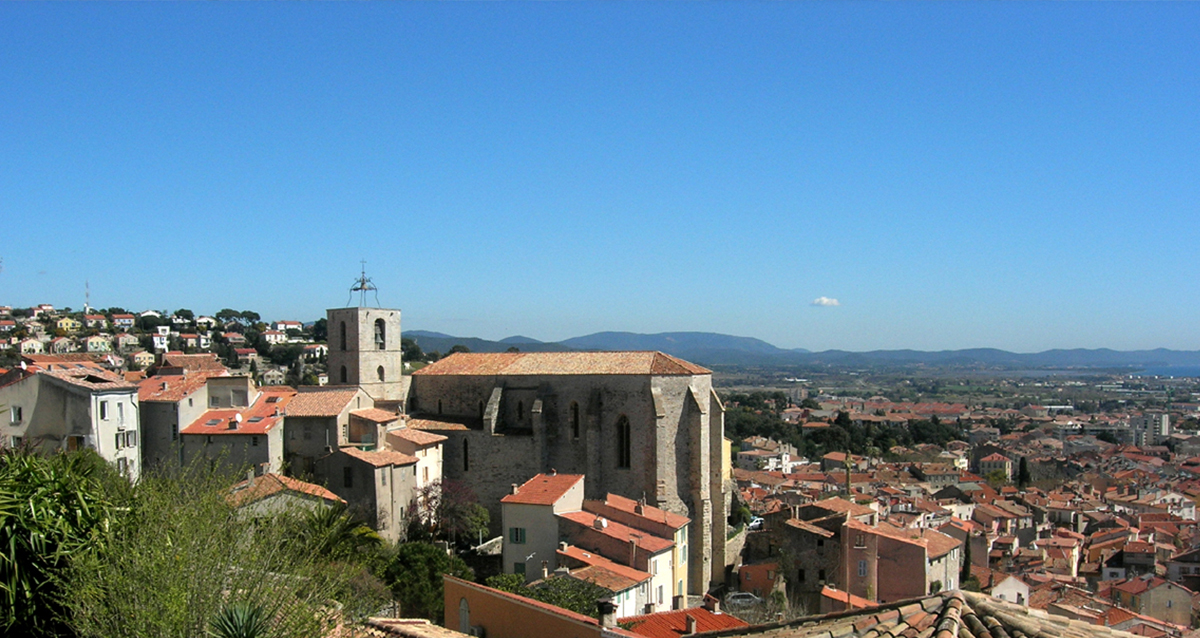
point(543, 489)
point(672, 624)
point(380, 458)
point(846, 598)
point(191, 362)
point(270, 484)
point(420, 437)
point(646, 541)
point(322, 402)
point(174, 387)
point(547, 363)
point(258, 418)
point(375, 415)
point(596, 560)
point(648, 511)
point(437, 424)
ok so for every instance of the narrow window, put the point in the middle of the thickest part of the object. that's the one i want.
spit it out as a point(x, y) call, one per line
point(466, 456)
point(379, 371)
point(117, 440)
point(343, 336)
point(574, 420)
point(380, 335)
point(104, 410)
point(347, 477)
point(520, 411)
point(121, 412)
point(862, 568)
point(439, 406)
point(821, 575)
point(345, 376)
point(254, 441)
point(624, 443)
point(16, 414)
point(516, 535)
point(481, 409)
point(383, 477)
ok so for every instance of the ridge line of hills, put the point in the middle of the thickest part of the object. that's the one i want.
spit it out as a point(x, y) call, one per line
point(706, 348)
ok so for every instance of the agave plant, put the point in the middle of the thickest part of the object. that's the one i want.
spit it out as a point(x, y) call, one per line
point(240, 621)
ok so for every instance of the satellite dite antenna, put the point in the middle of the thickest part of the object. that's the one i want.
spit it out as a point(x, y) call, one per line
point(362, 285)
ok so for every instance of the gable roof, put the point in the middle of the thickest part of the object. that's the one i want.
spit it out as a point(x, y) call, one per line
point(561, 363)
point(419, 437)
point(266, 485)
point(324, 402)
point(650, 512)
point(543, 489)
point(672, 624)
point(379, 458)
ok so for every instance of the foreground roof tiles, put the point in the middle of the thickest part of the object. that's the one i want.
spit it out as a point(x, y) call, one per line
point(671, 624)
point(952, 614)
point(547, 363)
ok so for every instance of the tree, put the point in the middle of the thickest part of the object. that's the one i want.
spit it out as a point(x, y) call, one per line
point(415, 576)
point(333, 532)
point(184, 313)
point(320, 330)
point(577, 595)
point(458, 348)
point(810, 404)
point(180, 553)
point(52, 510)
point(1023, 476)
point(964, 573)
point(446, 510)
point(225, 315)
point(410, 351)
point(249, 317)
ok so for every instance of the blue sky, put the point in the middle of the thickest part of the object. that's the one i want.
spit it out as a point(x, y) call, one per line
point(1012, 175)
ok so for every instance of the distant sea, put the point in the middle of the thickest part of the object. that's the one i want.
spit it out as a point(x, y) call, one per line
point(1170, 371)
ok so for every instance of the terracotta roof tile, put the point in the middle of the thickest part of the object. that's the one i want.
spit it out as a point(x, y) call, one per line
point(375, 415)
point(644, 540)
point(655, 514)
point(560, 363)
point(269, 484)
point(443, 424)
point(257, 419)
point(672, 624)
point(321, 402)
point(380, 458)
point(593, 559)
point(543, 489)
point(420, 437)
point(175, 387)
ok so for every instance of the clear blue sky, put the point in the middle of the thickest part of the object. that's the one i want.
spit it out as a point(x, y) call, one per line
point(1014, 175)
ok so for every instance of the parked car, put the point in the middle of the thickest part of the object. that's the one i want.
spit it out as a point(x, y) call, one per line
point(756, 524)
point(741, 600)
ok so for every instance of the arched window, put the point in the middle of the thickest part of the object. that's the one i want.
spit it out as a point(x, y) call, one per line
point(624, 443)
point(343, 336)
point(345, 376)
point(464, 616)
point(380, 334)
point(574, 420)
point(379, 371)
point(466, 455)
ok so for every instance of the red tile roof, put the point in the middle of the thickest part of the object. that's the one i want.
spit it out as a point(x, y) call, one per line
point(270, 484)
point(438, 424)
point(649, 511)
point(420, 437)
point(547, 363)
point(672, 624)
point(258, 418)
point(375, 415)
point(175, 387)
point(543, 489)
point(324, 402)
point(192, 362)
point(612, 529)
point(593, 559)
point(380, 458)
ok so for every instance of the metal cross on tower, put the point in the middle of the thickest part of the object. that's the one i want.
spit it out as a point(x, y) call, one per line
point(361, 286)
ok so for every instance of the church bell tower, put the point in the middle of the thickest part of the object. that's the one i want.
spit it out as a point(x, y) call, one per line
point(364, 345)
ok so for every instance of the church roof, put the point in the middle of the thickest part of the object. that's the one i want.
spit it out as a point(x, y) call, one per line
point(550, 363)
point(953, 614)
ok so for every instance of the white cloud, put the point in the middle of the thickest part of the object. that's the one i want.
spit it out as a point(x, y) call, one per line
point(826, 301)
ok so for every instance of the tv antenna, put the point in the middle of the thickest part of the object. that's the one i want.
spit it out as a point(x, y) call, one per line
point(362, 285)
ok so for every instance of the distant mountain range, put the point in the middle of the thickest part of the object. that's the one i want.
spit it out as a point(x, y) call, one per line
point(711, 349)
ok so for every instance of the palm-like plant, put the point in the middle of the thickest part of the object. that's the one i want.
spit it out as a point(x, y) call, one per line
point(335, 533)
point(240, 621)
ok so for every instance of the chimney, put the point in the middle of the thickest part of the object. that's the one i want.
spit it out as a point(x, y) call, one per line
point(691, 624)
point(232, 424)
point(599, 523)
point(608, 612)
point(250, 477)
point(712, 604)
point(552, 472)
point(562, 546)
point(632, 552)
point(640, 508)
point(515, 487)
point(545, 569)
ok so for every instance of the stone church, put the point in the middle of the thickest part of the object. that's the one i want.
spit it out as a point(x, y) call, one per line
point(637, 424)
